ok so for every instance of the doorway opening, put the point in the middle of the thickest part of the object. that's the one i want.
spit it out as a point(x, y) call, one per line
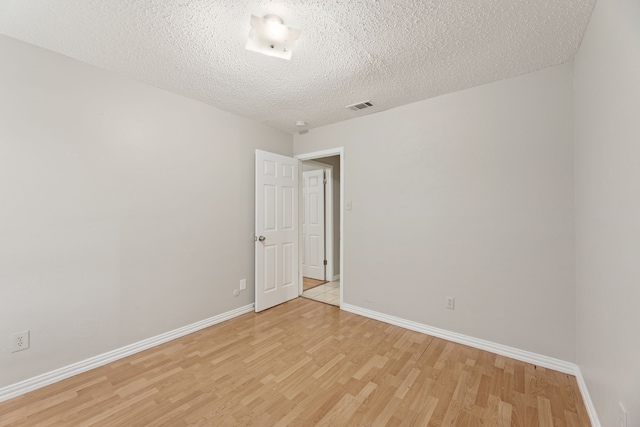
point(321, 226)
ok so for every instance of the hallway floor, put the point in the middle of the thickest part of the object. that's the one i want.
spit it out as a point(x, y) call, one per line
point(328, 293)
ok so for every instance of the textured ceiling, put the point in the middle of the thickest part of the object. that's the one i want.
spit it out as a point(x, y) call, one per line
point(389, 52)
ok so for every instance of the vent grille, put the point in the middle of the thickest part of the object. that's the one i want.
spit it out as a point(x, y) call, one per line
point(360, 106)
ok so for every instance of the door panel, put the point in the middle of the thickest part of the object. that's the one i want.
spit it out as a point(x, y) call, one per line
point(313, 224)
point(276, 247)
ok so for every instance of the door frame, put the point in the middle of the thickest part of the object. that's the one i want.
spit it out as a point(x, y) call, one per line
point(338, 151)
point(328, 216)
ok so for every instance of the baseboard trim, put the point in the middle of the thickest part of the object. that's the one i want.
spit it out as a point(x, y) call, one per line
point(591, 409)
point(335, 278)
point(503, 350)
point(51, 377)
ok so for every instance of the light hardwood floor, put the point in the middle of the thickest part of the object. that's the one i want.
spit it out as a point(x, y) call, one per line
point(309, 283)
point(304, 363)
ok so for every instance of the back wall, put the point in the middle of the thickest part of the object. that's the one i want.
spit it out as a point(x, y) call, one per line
point(468, 195)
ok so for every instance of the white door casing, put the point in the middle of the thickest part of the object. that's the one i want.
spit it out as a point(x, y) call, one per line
point(313, 235)
point(305, 157)
point(276, 246)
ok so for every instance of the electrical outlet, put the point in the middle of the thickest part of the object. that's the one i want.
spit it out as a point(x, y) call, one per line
point(622, 416)
point(19, 341)
point(451, 301)
point(243, 284)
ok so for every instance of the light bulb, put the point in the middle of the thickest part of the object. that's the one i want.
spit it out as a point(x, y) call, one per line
point(275, 30)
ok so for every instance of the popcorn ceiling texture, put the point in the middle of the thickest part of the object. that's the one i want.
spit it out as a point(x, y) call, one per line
point(389, 52)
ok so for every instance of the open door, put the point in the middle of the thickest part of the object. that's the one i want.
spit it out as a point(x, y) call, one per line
point(276, 229)
point(313, 259)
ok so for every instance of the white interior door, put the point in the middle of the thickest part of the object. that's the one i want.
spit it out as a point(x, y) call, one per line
point(313, 224)
point(276, 229)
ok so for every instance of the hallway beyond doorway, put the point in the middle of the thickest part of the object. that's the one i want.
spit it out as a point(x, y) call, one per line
point(309, 283)
point(328, 293)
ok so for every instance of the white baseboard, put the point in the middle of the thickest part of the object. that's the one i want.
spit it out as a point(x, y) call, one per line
point(51, 377)
point(335, 278)
point(503, 350)
point(591, 409)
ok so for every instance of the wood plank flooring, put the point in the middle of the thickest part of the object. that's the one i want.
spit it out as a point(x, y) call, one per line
point(309, 283)
point(305, 363)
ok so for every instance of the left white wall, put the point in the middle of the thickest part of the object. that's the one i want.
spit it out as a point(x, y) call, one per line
point(125, 211)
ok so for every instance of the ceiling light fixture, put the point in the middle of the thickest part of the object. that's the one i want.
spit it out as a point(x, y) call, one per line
point(301, 123)
point(271, 37)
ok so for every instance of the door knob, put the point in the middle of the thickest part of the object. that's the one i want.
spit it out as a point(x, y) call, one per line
point(262, 238)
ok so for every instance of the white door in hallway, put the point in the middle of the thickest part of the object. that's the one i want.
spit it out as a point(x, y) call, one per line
point(313, 224)
point(276, 246)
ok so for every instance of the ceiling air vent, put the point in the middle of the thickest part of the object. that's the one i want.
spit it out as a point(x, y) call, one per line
point(360, 106)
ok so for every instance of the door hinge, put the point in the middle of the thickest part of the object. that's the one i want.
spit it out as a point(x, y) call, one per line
point(325, 262)
point(324, 181)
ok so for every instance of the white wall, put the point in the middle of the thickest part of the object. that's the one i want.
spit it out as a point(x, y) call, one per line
point(607, 135)
point(469, 195)
point(125, 211)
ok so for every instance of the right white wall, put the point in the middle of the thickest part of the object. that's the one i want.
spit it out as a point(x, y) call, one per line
point(607, 163)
